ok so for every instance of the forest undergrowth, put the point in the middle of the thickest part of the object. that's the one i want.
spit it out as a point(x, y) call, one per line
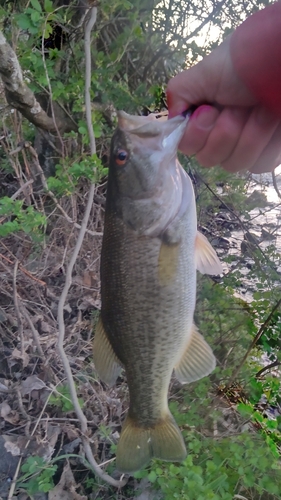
point(232, 440)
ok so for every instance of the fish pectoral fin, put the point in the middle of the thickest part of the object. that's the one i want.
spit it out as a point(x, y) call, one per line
point(198, 360)
point(106, 362)
point(207, 261)
point(137, 445)
point(168, 263)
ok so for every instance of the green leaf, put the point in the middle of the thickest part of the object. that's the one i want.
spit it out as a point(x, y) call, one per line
point(152, 476)
point(82, 130)
point(36, 5)
point(97, 130)
point(8, 228)
point(138, 31)
point(24, 21)
point(33, 30)
point(48, 6)
point(35, 16)
point(219, 481)
point(48, 30)
point(140, 474)
point(158, 471)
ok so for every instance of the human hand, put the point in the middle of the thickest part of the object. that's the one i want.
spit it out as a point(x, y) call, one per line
point(233, 129)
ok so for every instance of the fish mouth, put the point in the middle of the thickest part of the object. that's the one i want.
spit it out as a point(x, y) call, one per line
point(168, 133)
point(128, 122)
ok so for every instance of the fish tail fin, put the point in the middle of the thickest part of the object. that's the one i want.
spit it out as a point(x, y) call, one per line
point(138, 445)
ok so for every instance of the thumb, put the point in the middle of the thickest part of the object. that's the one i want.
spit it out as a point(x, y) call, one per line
point(176, 90)
point(185, 90)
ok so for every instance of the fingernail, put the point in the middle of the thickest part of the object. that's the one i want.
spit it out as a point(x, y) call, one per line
point(175, 106)
point(204, 116)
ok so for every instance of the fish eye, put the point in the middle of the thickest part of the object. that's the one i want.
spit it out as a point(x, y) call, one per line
point(121, 157)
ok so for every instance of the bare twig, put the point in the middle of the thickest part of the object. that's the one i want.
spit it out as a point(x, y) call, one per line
point(267, 367)
point(87, 47)
point(15, 477)
point(24, 413)
point(82, 419)
point(217, 8)
point(46, 136)
point(51, 194)
point(14, 481)
point(16, 304)
point(254, 342)
point(22, 188)
point(34, 332)
point(27, 273)
point(20, 307)
point(19, 148)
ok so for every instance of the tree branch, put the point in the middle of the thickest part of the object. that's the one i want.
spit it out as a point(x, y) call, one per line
point(267, 367)
point(87, 47)
point(18, 95)
point(254, 342)
point(207, 19)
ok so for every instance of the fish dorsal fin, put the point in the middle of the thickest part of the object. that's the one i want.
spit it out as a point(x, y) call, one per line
point(207, 261)
point(106, 362)
point(198, 360)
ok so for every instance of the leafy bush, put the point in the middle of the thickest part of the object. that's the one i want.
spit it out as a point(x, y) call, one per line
point(38, 476)
point(216, 467)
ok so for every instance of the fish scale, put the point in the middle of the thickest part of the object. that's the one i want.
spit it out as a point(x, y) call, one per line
point(145, 316)
point(150, 251)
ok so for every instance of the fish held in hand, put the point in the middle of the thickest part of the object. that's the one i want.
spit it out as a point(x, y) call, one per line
point(150, 252)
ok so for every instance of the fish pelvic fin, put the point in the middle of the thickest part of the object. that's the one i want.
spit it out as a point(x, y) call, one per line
point(198, 360)
point(207, 261)
point(106, 362)
point(137, 445)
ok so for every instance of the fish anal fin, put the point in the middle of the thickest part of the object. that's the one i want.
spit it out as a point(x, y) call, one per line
point(106, 362)
point(207, 261)
point(168, 263)
point(198, 360)
point(137, 445)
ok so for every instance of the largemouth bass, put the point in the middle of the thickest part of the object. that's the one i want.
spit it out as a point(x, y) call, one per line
point(150, 252)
